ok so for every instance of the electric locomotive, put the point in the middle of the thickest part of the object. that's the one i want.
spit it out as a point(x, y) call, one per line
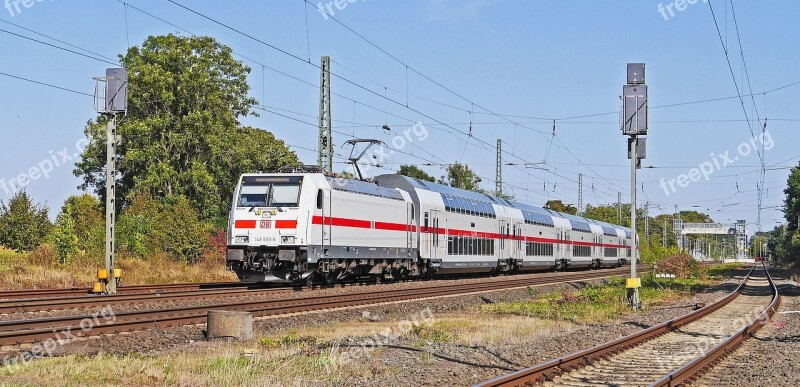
point(311, 227)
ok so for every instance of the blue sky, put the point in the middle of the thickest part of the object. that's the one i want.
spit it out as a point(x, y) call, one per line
point(526, 62)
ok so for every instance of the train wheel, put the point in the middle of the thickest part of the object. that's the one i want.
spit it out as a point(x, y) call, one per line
point(326, 279)
point(311, 279)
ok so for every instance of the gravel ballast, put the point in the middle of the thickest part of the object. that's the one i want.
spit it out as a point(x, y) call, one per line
point(770, 357)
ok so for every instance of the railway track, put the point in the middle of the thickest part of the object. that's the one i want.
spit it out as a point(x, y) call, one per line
point(134, 289)
point(669, 354)
point(24, 301)
point(37, 330)
point(62, 303)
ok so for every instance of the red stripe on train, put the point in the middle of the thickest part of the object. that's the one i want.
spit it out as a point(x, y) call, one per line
point(344, 222)
point(285, 224)
point(244, 224)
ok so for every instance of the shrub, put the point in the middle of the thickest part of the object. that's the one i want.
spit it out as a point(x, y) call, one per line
point(64, 238)
point(23, 225)
point(44, 255)
point(148, 227)
point(682, 266)
point(88, 215)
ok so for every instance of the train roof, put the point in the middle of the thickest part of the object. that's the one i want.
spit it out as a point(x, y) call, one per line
point(448, 190)
point(363, 187)
point(577, 222)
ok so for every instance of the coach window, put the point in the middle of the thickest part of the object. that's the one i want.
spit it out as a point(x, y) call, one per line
point(319, 199)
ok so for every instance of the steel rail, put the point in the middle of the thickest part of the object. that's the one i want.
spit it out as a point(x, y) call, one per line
point(702, 363)
point(144, 293)
point(546, 371)
point(35, 330)
point(67, 292)
point(53, 304)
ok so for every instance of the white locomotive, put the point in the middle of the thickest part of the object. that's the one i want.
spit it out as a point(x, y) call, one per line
point(291, 227)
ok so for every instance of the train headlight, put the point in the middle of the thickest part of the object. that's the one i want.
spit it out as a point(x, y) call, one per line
point(287, 239)
point(241, 239)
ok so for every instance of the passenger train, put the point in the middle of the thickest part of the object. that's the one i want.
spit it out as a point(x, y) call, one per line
point(315, 228)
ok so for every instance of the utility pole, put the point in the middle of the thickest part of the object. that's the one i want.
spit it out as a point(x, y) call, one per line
point(619, 208)
point(114, 103)
point(111, 180)
point(580, 193)
point(664, 234)
point(677, 226)
point(498, 179)
point(634, 124)
point(647, 223)
point(325, 156)
point(634, 283)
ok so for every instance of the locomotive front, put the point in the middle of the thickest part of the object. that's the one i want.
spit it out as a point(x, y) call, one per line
point(267, 228)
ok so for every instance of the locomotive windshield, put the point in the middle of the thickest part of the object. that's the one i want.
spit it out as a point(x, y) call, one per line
point(269, 192)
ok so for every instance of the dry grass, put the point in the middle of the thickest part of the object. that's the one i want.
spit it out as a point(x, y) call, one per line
point(305, 357)
point(216, 364)
point(497, 330)
point(467, 328)
point(37, 270)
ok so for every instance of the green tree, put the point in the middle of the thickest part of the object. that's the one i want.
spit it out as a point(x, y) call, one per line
point(792, 191)
point(23, 224)
point(182, 136)
point(64, 237)
point(415, 172)
point(559, 206)
point(608, 214)
point(462, 176)
point(790, 244)
point(89, 220)
point(149, 226)
point(695, 217)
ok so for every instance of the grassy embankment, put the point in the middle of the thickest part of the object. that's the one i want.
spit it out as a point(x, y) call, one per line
point(601, 303)
point(37, 270)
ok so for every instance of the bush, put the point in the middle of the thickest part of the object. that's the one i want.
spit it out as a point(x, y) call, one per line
point(148, 227)
point(682, 266)
point(64, 238)
point(44, 255)
point(23, 225)
point(90, 223)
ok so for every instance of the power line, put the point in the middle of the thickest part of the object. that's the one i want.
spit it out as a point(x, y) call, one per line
point(733, 76)
point(60, 48)
point(47, 84)
point(485, 145)
point(472, 103)
point(57, 40)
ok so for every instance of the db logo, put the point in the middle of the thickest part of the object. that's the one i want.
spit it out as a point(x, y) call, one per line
point(266, 224)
